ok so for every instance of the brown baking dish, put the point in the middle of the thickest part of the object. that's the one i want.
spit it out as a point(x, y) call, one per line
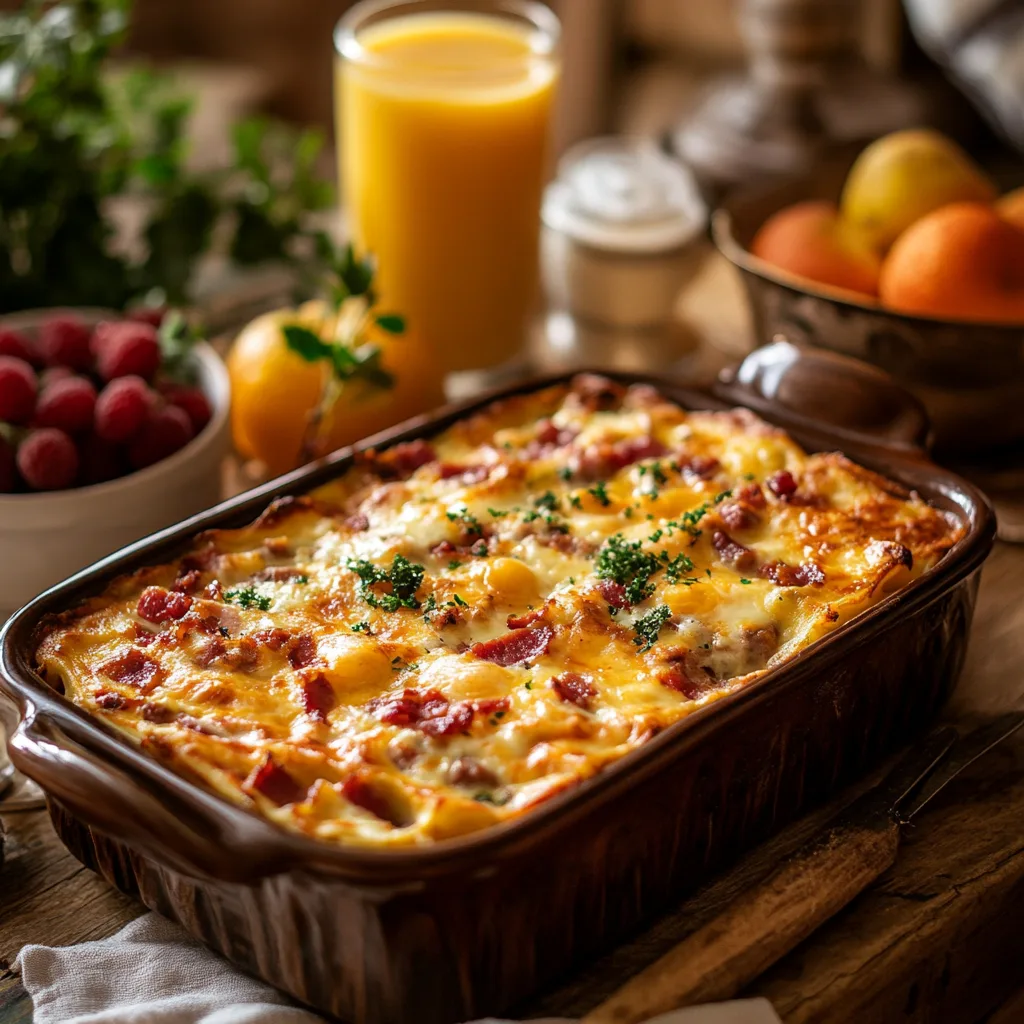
point(474, 925)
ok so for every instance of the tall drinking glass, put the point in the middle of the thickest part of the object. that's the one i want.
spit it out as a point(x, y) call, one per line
point(444, 113)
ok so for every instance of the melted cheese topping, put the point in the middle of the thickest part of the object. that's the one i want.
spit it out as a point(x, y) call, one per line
point(453, 632)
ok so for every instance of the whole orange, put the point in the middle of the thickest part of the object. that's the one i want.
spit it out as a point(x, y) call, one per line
point(962, 262)
point(809, 240)
point(274, 389)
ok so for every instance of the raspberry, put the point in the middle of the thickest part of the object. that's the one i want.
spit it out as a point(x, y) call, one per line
point(52, 374)
point(122, 408)
point(48, 460)
point(64, 341)
point(8, 469)
point(126, 348)
point(152, 315)
point(100, 460)
point(14, 344)
point(165, 431)
point(66, 404)
point(193, 401)
point(17, 390)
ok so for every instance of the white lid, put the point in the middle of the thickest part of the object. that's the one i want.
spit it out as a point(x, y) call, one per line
point(623, 194)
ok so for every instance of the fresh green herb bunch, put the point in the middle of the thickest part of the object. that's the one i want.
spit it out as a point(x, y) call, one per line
point(75, 136)
point(404, 577)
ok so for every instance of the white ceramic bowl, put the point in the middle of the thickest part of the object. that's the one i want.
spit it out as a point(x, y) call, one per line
point(47, 537)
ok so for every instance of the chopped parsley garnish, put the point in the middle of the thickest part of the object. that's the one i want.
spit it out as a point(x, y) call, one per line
point(565, 473)
point(454, 564)
point(458, 600)
point(656, 472)
point(719, 498)
point(360, 627)
point(479, 548)
point(626, 563)
point(746, 581)
point(576, 501)
point(600, 493)
point(497, 513)
point(301, 579)
point(677, 567)
point(749, 476)
point(656, 536)
point(469, 522)
point(648, 626)
point(628, 512)
point(404, 577)
point(491, 798)
point(548, 500)
point(248, 597)
point(528, 684)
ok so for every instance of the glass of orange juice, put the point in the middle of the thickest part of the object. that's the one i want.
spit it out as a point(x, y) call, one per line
point(444, 112)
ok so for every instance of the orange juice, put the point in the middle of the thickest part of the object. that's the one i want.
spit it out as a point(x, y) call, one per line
point(443, 121)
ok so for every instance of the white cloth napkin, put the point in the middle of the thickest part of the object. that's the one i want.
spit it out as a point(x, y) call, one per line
point(152, 972)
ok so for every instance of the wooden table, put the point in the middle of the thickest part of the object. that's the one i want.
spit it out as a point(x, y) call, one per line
point(937, 939)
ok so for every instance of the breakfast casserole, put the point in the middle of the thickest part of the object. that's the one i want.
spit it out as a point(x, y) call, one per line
point(458, 628)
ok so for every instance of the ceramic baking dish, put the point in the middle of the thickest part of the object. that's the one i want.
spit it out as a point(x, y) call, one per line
point(474, 925)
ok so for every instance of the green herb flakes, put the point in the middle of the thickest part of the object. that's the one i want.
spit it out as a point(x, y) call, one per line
point(248, 597)
point(648, 626)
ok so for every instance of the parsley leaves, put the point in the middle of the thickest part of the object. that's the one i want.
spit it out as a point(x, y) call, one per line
point(248, 597)
point(627, 564)
point(648, 626)
point(404, 577)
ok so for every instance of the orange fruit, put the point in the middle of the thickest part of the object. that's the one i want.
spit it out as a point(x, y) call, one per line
point(962, 262)
point(274, 389)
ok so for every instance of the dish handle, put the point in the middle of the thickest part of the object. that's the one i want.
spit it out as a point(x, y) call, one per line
point(178, 833)
point(815, 389)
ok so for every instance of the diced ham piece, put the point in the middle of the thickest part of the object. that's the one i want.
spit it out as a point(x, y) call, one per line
point(515, 648)
point(783, 575)
point(737, 515)
point(731, 552)
point(782, 484)
point(158, 605)
point(303, 652)
point(702, 466)
point(752, 495)
point(273, 639)
point(602, 460)
point(614, 593)
point(574, 688)
point(358, 522)
point(132, 667)
point(429, 711)
point(275, 783)
point(318, 697)
point(363, 793)
point(439, 718)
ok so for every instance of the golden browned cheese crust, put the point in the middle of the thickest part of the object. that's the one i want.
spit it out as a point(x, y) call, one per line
point(455, 630)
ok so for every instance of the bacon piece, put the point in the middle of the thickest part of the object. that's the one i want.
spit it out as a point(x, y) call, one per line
point(551, 435)
point(159, 605)
point(782, 484)
point(111, 700)
point(143, 637)
point(468, 771)
point(275, 783)
point(752, 495)
point(187, 582)
point(405, 458)
point(245, 656)
point(574, 688)
point(358, 522)
point(303, 652)
point(363, 793)
point(209, 651)
point(526, 619)
point(132, 667)
point(737, 516)
point(731, 552)
point(439, 718)
point(515, 648)
point(702, 466)
point(600, 460)
point(160, 714)
point(318, 697)
point(614, 593)
point(783, 575)
point(468, 474)
point(488, 705)
point(273, 639)
point(429, 711)
point(691, 684)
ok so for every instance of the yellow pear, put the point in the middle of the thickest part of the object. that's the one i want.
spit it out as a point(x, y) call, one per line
point(902, 177)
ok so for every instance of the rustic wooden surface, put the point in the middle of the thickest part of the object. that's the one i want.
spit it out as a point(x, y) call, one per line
point(937, 939)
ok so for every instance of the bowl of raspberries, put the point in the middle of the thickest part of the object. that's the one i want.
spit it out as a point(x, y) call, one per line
point(111, 427)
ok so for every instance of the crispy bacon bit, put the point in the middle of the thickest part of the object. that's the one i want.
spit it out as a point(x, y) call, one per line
point(443, 550)
point(244, 657)
point(467, 474)
point(613, 593)
point(468, 771)
point(273, 639)
point(601, 460)
point(159, 714)
point(209, 651)
point(593, 393)
point(574, 688)
point(405, 458)
point(731, 552)
point(831, 614)
point(782, 484)
point(752, 495)
point(318, 697)
point(358, 523)
point(784, 575)
point(275, 783)
point(132, 667)
point(488, 705)
point(429, 711)
point(187, 582)
point(701, 466)
point(143, 637)
point(516, 647)
point(303, 652)
point(357, 790)
point(548, 433)
point(159, 605)
point(526, 619)
point(737, 516)
point(692, 684)
point(110, 700)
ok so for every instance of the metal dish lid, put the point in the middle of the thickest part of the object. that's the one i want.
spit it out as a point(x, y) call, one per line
point(623, 194)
